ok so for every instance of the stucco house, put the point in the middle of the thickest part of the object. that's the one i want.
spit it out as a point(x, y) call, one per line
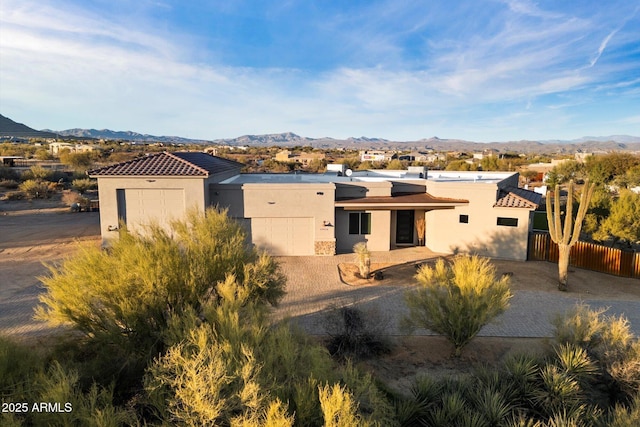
point(322, 214)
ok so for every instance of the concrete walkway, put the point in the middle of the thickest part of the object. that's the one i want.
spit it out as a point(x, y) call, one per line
point(314, 285)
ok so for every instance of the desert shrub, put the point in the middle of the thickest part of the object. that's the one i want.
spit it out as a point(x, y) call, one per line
point(36, 189)
point(354, 333)
point(81, 161)
point(290, 366)
point(71, 197)
point(8, 173)
point(31, 376)
point(14, 195)
point(456, 300)
point(373, 404)
point(624, 416)
point(204, 381)
point(611, 344)
point(9, 183)
point(339, 407)
point(124, 298)
point(17, 365)
point(83, 185)
point(37, 173)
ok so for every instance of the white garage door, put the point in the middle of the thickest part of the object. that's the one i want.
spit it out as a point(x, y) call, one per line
point(160, 205)
point(283, 236)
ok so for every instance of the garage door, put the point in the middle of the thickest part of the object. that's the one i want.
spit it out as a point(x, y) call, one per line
point(146, 205)
point(283, 236)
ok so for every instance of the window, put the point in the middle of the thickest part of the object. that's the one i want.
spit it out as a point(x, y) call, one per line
point(359, 223)
point(121, 202)
point(508, 222)
point(464, 219)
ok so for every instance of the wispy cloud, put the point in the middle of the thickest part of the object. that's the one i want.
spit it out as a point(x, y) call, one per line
point(603, 46)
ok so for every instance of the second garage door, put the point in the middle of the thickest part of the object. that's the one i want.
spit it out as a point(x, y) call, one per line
point(283, 236)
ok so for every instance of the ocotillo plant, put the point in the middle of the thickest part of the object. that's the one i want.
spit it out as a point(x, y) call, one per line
point(568, 236)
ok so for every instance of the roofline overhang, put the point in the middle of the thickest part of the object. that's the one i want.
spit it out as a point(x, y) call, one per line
point(396, 206)
point(151, 176)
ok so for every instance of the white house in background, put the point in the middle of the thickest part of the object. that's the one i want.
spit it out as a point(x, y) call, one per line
point(321, 214)
point(376, 156)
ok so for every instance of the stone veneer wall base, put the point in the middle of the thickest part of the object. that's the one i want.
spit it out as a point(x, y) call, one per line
point(325, 247)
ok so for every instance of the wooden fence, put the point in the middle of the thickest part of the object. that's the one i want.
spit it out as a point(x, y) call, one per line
point(586, 255)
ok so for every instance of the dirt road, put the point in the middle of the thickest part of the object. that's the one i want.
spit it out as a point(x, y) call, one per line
point(28, 239)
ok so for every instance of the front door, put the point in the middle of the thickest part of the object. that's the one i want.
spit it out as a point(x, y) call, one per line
point(404, 227)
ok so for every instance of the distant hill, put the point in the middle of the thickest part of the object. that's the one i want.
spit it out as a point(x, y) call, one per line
point(587, 144)
point(289, 139)
point(123, 135)
point(9, 128)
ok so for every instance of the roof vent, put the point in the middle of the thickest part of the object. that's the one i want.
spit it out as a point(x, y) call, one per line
point(337, 167)
point(417, 172)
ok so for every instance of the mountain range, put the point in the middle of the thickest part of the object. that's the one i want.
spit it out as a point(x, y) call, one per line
point(9, 128)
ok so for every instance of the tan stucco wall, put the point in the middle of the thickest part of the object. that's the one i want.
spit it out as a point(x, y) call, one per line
point(290, 200)
point(445, 233)
point(379, 238)
point(362, 189)
point(194, 197)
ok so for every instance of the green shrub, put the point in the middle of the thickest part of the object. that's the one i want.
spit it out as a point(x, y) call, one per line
point(37, 173)
point(36, 189)
point(84, 185)
point(125, 298)
point(458, 299)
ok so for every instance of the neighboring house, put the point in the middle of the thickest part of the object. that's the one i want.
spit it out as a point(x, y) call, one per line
point(58, 147)
point(306, 158)
point(303, 158)
point(283, 156)
point(321, 214)
point(376, 156)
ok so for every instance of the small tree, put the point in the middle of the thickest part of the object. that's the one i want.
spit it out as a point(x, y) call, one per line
point(623, 222)
point(567, 237)
point(457, 299)
point(363, 256)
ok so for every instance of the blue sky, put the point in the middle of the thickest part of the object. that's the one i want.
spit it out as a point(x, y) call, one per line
point(485, 70)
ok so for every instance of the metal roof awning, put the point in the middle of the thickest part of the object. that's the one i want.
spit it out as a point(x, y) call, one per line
point(400, 202)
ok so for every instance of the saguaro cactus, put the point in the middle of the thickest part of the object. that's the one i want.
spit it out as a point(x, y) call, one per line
point(568, 236)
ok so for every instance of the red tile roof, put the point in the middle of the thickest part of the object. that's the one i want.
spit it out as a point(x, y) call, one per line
point(512, 197)
point(169, 164)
